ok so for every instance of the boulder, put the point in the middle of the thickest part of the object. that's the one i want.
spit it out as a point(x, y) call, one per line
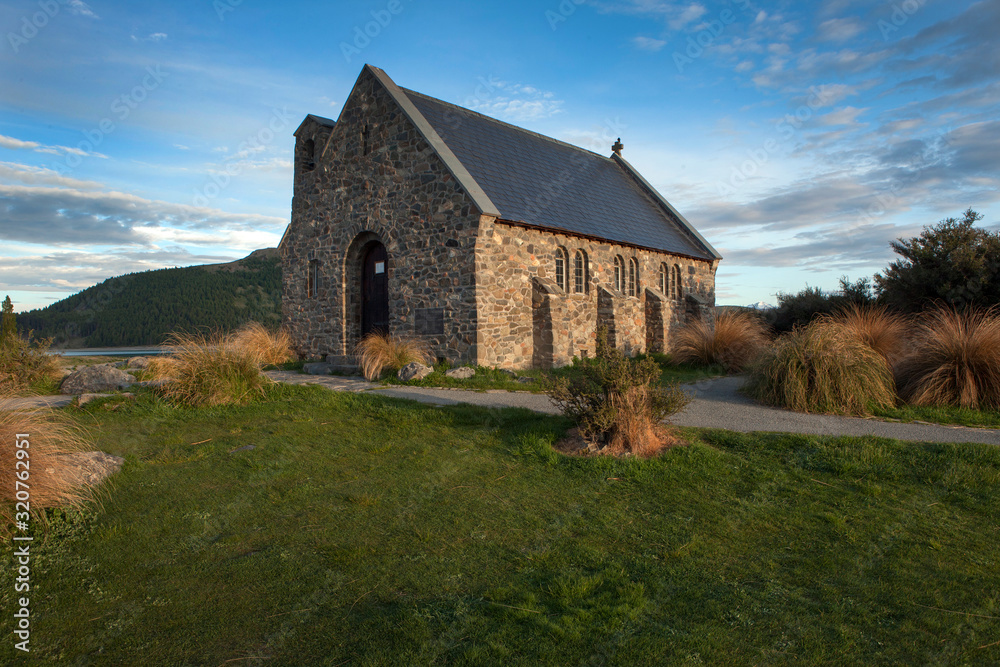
point(414, 371)
point(138, 362)
point(463, 373)
point(524, 379)
point(96, 379)
point(318, 368)
point(87, 398)
point(510, 374)
point(88, 468)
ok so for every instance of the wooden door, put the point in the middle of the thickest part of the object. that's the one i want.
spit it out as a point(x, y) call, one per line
point(375, 291)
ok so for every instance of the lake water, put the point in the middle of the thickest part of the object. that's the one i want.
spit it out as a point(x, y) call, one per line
point(110, 352)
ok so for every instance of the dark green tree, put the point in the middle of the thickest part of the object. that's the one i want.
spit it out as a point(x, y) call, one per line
point(953, 262)
point(8, 322)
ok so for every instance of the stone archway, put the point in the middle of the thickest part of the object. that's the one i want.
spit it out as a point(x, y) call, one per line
point(366, 287)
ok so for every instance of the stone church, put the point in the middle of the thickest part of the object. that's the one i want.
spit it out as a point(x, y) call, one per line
point(495, 245)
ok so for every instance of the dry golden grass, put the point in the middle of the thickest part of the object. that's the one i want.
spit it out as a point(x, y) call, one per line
point(378, 352)
point(270, 347)
point(954, 359)
point(209, 370)
point(875, 326)
point(735, 340)
point(25, 362)
point(822, 368)
point(636, 431)
point(50, 482)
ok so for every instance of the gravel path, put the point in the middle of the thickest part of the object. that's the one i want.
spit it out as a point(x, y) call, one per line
point(716, 404)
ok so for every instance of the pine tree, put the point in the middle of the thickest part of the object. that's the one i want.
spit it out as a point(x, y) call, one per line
point(8, 322)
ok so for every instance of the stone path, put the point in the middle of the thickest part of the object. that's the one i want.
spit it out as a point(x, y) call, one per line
point(716, 404)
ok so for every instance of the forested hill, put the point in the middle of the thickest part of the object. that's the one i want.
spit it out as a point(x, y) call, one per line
point(142, 308)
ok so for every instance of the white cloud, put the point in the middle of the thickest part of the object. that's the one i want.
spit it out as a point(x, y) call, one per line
point(18, 144)
point(154, 37)
point(688, 15)
point(81, 8)
point(838, 30)
point(648, 43)
point(844, 116)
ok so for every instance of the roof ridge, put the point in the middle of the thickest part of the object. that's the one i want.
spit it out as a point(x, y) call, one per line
point(505, 123)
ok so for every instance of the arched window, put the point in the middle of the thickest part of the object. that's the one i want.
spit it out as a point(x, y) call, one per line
point(562, 262)
point(633, 277)
point(581, 269)
point(619, 274)
point(678, 290)
point(664, 280)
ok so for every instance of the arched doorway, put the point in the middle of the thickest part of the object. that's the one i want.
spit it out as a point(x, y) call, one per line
point(375, 290)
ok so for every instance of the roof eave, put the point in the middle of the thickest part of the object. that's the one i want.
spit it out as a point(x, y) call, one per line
point(663, 202)
point(451, 161)
point(319, 120)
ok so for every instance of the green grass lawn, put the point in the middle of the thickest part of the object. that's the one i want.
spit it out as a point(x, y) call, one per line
point(362, 530)
point(492, 378)
point(943, 415)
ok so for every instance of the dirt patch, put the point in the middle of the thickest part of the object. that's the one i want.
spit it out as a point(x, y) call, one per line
point(574, 444)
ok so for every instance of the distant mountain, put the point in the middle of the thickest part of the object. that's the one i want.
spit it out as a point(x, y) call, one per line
point(761, 305)
point(142, 308)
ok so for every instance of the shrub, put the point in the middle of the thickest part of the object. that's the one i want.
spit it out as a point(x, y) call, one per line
point(822, 368)
point(25, 362)
point(954, 360)
point(270, 347)
point(734, 341)
point(877, 327)
point(618, 402)
point(378, 352)
point(51, 482)
point(803, 307)
point(209, 370)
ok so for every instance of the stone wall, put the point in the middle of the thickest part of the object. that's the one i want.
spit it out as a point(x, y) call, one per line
point(526, 319)
point(375, 179)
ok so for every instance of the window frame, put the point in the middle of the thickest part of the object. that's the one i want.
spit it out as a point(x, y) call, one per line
point(619, 276)
point(562, 262)
point(633, 277)
point(581, 271)
point(312, 279)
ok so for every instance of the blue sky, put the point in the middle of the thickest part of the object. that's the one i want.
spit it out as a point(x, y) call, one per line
point(799, 138)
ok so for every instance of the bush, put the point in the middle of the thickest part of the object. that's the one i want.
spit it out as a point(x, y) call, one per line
point(954, 360)
point(954, 262)
point(209, 370)
point(379, 352)
point(51, 482)
point(271, 348)
point(802, 308)
point(25, 362)
point(822, 368)
point(734, 341)
point(618, 402)
point(877, 327)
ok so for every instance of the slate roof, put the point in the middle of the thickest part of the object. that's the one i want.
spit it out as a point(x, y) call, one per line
point(537, 180)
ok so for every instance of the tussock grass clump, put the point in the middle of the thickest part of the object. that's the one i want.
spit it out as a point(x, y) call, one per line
point(733, 342)
point(379, 352)
point(270, 347)
point(25, 362)
point(51, 483)
point(822, 368)
point(877, 327)
point(954, 360)
point(209, 370)
point(619, 403)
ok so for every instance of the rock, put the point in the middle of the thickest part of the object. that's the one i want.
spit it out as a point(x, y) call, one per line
point(511, 374)
point(319, 368)
point(154, 384)
point(138, 362)
point(88, 468)
point(414, 371)
point(463, 373)
point(96, 379)
point(524, 379)
point(87, 398)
